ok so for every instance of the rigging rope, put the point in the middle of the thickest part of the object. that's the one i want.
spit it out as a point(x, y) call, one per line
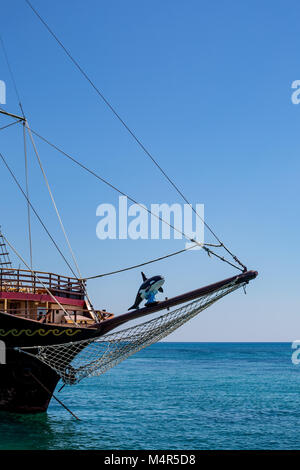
point(36, 213)
point(27, 194)
point(11, 75)
point(100, 178)
point(11, 124)
point(138, 141)
point(52, 199)
point(142, 264)
point(25, 124)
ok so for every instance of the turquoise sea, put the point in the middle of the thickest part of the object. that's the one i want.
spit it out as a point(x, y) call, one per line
point(175, 396)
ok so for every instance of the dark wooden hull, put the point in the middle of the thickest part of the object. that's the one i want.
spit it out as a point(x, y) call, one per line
point(20, 390)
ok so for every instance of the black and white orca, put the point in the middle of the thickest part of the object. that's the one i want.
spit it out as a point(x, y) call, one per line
point(148, 290)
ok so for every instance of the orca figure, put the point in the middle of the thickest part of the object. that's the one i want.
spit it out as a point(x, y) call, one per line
point(148, 290)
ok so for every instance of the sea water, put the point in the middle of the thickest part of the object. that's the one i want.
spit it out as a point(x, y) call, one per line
point(174, 396)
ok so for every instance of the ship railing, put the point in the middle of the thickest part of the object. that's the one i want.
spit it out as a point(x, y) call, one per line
point(37, 282)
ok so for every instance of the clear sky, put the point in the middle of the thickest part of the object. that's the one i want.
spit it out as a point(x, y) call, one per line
point(207, 87)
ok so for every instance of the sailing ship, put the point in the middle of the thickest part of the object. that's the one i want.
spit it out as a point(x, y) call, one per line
point(51, 330)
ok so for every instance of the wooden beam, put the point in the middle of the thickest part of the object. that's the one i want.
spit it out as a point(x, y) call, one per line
point(12, 115)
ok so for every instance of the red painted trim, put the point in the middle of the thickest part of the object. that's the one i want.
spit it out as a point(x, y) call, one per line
point(41, 298)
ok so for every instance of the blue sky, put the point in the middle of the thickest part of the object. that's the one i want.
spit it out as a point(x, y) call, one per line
point(207, 87)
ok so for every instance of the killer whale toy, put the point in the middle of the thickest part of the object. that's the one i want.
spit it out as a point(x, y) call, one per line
point(148, 290)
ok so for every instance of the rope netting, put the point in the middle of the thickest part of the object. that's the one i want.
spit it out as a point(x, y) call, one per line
point(74, 361)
